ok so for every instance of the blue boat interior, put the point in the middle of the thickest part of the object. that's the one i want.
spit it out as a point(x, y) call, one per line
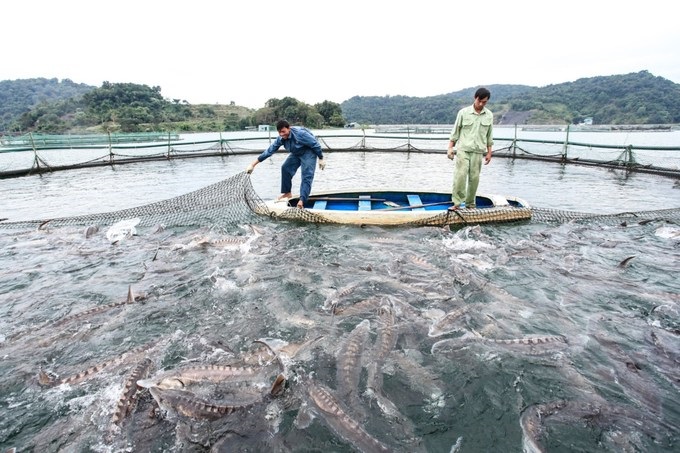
point(388, 201)
point(415, 202)
point(365, 203)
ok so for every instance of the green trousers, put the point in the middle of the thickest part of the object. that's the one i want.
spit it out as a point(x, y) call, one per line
point(466, 177)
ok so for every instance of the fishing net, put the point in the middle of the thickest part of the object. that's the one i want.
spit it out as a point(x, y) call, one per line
point(543, 215)
point(233, 201)
point(227, 202)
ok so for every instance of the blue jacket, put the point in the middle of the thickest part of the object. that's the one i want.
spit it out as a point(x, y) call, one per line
point(299, 142)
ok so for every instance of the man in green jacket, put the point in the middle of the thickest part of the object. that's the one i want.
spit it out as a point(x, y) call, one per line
point(472, 136)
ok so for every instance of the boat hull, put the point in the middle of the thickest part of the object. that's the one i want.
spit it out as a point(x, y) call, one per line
point(396, 208)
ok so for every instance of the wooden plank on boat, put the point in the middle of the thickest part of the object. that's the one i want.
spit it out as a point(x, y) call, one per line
point(415, 202)
point(320, 204)
point(346, 198)
point(364, 202)
point(420, 206)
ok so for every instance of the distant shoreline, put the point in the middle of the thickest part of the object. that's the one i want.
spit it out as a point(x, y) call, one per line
point(446, 128)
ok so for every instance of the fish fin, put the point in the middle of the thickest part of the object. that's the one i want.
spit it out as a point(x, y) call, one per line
point(45, 379)
point(279, 385)
point(304, 418)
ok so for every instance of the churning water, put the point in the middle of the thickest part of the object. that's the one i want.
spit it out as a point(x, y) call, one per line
point(543, 337)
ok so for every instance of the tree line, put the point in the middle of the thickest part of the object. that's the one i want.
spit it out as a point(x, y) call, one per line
point(130, 107)
point(636, 98)
point(53, 106)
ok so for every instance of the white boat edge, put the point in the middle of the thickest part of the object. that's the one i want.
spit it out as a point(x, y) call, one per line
point(280, 208)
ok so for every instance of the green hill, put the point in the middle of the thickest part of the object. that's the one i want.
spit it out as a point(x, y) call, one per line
point(53, 106)
point(130, 107)
point(636, 98)
point(20, 96)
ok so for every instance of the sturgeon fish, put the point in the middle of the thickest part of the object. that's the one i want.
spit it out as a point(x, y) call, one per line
point(186, 403)
point(171, 396)
point(531, 422)
point(534, 345)
point(349, 364)
point(131, 298)
point(90, 231)
point(447, 323)
point(383, 347)
point(128, 398)
point(209, 373)
point(361, 307)
point(286, 353)
point(619, 426)
point(384, 344)
point(337, 419)
point(420, 379)
point(47, 380)
point(331, 303)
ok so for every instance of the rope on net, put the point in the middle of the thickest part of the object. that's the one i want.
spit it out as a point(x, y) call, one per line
point(441, 218)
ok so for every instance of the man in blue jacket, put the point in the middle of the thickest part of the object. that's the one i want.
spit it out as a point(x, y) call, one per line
point(303, 149)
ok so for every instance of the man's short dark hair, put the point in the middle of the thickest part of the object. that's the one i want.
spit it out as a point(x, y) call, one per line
point(482, 93)
point(280, 124)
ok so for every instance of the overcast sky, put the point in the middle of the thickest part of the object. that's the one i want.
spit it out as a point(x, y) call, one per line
point(212, 51)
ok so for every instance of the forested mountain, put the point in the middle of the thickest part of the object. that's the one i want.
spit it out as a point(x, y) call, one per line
point(131, 107)
point(439, 109)
point(636, 98)
point(51, 106)
point(20, 96)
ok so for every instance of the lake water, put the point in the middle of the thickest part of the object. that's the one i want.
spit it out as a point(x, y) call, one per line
point(537, 336)
point(102, 189)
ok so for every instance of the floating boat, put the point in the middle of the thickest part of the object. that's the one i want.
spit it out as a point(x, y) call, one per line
point(397, 208)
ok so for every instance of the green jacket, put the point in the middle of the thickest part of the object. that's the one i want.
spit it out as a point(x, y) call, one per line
point(473, 132)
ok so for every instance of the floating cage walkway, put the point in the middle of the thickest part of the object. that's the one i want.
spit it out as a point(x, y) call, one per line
point(31, 141)
point(36, 158)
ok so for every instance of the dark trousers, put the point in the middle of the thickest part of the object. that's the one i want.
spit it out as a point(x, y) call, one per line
point(290, 166)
